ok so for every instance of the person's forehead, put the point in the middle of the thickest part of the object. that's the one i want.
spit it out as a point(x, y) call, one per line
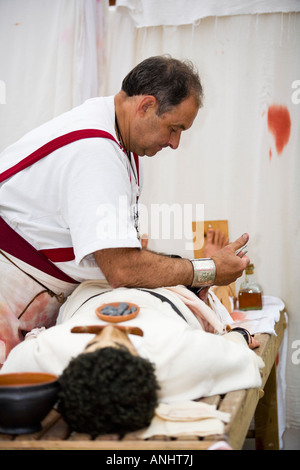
point(183, 115)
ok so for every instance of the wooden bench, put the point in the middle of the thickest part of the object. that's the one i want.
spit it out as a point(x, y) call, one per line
point(243, 406)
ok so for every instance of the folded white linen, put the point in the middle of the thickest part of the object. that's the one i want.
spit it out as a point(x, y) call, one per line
point(186, 419)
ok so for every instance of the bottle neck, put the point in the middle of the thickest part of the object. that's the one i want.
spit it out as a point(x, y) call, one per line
point(250, 277)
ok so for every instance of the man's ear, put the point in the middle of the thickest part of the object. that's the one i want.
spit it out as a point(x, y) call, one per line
point(146, 102)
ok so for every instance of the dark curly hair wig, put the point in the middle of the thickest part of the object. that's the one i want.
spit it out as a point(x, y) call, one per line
point(108, 391)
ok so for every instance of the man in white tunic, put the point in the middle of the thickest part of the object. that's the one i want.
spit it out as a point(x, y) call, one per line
point(69, 194)
point(191, 352)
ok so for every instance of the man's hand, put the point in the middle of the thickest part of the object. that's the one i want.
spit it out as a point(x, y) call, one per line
point(230, 266)
point(254, 343)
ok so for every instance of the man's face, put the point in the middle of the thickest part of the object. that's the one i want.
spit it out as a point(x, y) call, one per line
point(153, 132)
point(110, 337)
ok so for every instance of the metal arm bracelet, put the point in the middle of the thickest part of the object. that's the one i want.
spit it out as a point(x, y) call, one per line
point(204, 272)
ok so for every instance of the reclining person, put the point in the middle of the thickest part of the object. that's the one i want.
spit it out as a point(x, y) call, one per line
point(175, 349)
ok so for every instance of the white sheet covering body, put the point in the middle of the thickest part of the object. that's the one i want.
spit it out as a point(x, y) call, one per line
point(189, 361)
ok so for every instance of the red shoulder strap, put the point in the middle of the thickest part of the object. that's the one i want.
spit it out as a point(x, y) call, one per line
point(60, 254)
point(15, 245)
point(51, 146)
point(136, 159)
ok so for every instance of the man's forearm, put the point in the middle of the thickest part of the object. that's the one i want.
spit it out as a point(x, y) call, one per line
point(132, 267)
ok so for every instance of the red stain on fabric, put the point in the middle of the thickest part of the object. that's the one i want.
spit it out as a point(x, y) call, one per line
point(270, 153)
point(279, 124)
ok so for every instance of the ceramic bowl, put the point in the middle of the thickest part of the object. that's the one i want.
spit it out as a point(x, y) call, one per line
point(103, 312)
point(25, 400)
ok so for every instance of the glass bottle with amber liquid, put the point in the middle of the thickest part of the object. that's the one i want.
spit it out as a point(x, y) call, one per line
point(250, 293)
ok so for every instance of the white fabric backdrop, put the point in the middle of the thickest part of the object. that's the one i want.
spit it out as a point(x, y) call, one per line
point(53, 56)
point(147, 13)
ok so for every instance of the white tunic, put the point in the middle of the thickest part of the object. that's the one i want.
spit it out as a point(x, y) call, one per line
point(79, 196)
point(189, 361)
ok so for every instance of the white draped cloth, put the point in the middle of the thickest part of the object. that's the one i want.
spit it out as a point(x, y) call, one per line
point(148, 13)
point(52, 59)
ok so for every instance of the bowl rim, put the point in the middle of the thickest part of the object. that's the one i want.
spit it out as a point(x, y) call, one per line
point(48, 378)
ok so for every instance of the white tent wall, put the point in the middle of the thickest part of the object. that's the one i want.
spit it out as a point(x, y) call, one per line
point(55, 54)
point(52, 59)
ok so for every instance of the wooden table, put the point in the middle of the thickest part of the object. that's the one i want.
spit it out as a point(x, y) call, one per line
point(243, 406)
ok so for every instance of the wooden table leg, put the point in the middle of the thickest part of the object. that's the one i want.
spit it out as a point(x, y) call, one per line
point(266, 418)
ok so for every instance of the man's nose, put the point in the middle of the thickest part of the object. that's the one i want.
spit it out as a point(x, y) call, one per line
point(174, 140)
